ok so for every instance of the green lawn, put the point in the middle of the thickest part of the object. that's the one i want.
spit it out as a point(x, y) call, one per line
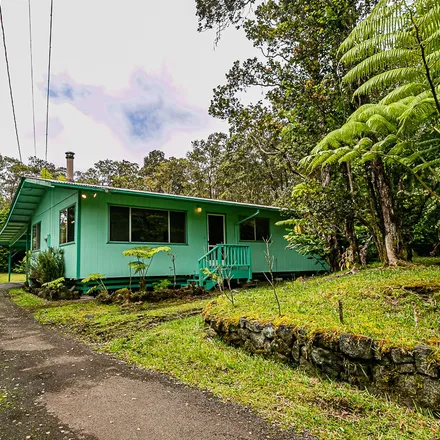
point(161, 338)
point(15, 277)
point(396, 306)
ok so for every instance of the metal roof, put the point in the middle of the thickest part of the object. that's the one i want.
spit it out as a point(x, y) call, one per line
point(111, 189)
point(25, 202)
point(30, 191)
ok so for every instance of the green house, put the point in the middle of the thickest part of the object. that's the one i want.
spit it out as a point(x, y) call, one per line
point(95, 224)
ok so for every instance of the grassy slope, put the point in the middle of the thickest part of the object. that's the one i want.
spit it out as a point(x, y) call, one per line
point(181, 348)
point(398, 306)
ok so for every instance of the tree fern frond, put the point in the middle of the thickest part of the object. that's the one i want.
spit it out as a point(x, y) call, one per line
point(423, 166)
point(337, 154)
point(363, 145)
point(395, 110)
point(400, 149)
point(381, 60)
point(380, 126)
point(416, 116)
point(368, 112)
point(330, 141)
point(353, 130)
point(377, 43)
point(355, 115)
point(390, 77)
point(429, 22)
point(319, 159)
point(433, 40)
point(369, 157)
point(383, 16)
point(411, 89)
point(383, 145)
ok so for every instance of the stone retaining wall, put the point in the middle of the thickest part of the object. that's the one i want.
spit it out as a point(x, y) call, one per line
point(410, 377)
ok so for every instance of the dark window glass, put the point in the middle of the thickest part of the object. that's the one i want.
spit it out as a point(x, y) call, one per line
point(262, 230)
point(148, 225)
point(119, 223)
point(70, 224)
point(255, 229)
point(247, 230)
point(67, 225)
point(177, 227)
point(36, 236)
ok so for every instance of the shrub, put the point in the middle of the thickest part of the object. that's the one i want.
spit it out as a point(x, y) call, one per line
point(158, 286)
point(47, 266)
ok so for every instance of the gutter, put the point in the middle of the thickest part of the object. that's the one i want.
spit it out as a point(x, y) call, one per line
point(248, 218)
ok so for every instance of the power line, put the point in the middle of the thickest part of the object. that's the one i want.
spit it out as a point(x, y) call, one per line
point(10, 83)
point(48, 75)
point(32, 76)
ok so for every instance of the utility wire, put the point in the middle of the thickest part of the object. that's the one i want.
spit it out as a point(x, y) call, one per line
point(10, 84)
point(32, 76)
point(48, 76)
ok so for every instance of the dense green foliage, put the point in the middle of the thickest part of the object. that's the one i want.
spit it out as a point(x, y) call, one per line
point(350, 115)
point(47, 266)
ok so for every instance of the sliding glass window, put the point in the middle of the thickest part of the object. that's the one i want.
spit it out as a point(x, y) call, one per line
point(139, 225)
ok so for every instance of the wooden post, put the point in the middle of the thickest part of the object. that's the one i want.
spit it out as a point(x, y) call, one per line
point(341, 312)
point(9, 264)
point(28, 237)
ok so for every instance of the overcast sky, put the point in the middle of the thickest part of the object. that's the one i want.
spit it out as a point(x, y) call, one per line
point(127, 77)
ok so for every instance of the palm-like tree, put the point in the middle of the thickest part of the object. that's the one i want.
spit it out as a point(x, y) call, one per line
point(395, 53)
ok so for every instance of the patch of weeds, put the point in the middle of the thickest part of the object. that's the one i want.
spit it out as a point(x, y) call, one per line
point(99, 323)
point(26, 300)
point(5, 401)
point(278, 393)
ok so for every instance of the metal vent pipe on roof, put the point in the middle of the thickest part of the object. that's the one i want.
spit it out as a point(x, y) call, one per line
point(70, 156)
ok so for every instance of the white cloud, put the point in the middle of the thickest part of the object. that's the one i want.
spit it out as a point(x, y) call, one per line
point(139, 57)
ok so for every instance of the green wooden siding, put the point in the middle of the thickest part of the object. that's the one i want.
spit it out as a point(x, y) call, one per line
point(48, 213)
point(97, 254)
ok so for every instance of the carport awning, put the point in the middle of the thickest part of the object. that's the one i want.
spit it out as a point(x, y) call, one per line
point(23, 206)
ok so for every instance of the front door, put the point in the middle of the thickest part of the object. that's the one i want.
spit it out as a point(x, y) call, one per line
point(216, 230)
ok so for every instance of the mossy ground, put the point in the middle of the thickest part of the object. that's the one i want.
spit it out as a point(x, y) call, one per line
point(398, 307)
point(182, 348)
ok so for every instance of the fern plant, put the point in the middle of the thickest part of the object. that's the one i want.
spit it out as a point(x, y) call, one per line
point(395, 52)
point(142, 254)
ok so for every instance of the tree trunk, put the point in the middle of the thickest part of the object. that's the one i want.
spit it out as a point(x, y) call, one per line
point(392, 235)
point(376, 224)
point(350, 234)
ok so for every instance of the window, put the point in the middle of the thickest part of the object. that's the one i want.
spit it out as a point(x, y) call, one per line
point(36, 236)
point(147, 225)
point(255, 229)
point(119, 223)
point(67, 225)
